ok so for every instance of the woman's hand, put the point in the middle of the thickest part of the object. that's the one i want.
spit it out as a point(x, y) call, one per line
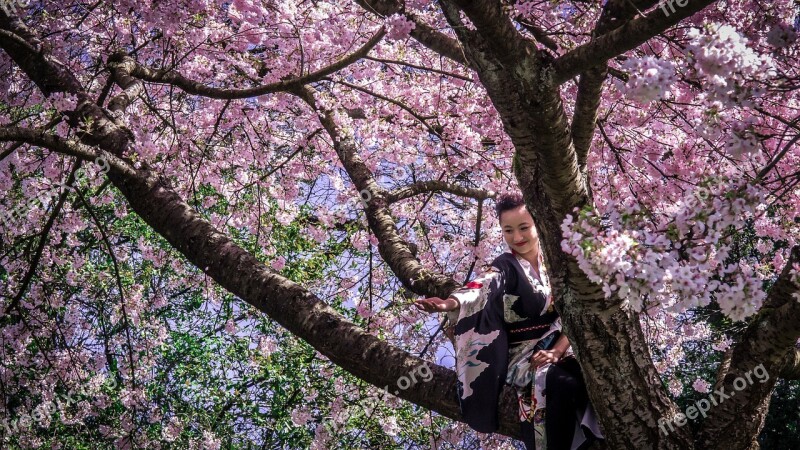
point(436, 304)
point(543, 357)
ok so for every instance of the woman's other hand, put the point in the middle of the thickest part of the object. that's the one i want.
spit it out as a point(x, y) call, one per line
point(543, 357)
point(436, 304)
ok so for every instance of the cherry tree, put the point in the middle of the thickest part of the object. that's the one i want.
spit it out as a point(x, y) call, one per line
point(654, 143)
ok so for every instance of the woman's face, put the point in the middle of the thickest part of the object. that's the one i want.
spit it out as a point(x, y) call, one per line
point(518, 229)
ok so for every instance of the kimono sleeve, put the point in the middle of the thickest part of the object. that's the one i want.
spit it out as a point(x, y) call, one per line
point(481, 346)
point(472, 296)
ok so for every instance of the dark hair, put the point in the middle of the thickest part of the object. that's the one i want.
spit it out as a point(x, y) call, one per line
point(505, 202)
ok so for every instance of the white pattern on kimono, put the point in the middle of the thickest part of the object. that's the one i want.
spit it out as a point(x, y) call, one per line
point(540, 405)
point(509, 314)
point(468, 366)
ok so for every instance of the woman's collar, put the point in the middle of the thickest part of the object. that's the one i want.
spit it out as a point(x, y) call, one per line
point(521, 259)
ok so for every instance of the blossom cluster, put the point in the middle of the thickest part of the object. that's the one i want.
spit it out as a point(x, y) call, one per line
point(398, 27)
point(722, 59)
point(679, 266)
point(650, 78)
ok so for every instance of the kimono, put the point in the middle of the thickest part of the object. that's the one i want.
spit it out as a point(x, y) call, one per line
point(506, 314)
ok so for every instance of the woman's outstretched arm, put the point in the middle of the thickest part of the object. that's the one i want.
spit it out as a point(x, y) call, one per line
point(471, 297)
point(436, 304)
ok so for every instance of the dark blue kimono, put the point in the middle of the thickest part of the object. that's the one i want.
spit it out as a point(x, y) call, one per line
point(506, 314)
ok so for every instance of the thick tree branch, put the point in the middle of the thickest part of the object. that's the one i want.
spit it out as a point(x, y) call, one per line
point(395, 251)
point(533, 115)
point(584, 120)
point(26, 50)
point(422, 33)
point(121, 66)
point(622, 39)
point(615, 13)
point(71, 147)
point(498, 31)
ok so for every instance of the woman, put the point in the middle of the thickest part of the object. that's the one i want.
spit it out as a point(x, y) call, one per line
point(507, 331)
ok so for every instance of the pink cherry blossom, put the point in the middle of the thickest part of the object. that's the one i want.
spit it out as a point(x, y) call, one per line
point(700, 385)
point(398, 27)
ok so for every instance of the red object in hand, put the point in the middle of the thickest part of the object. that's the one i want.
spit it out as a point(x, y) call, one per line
point(474, 285)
